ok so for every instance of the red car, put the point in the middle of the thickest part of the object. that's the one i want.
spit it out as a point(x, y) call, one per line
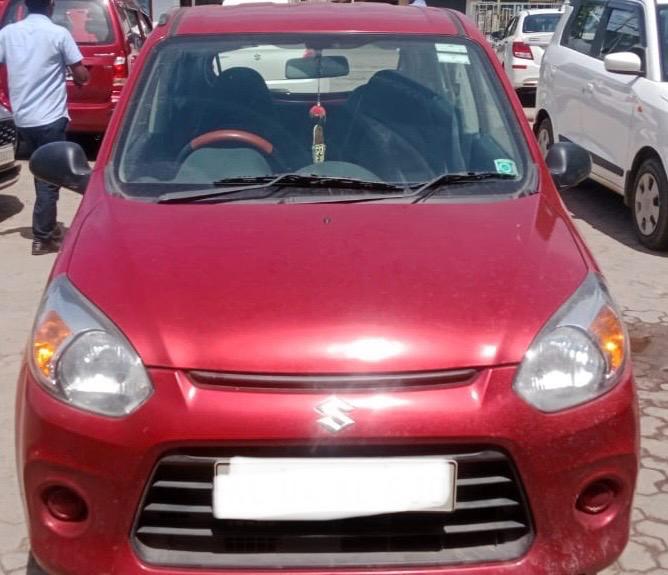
point(339, 324)
point(109, 34)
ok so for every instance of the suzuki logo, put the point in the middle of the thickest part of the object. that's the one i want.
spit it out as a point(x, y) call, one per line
point(334, 414)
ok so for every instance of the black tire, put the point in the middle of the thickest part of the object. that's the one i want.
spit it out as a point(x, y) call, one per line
point(545, 126)
point(649, 205)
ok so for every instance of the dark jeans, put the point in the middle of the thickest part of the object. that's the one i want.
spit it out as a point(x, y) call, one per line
point(46, 200)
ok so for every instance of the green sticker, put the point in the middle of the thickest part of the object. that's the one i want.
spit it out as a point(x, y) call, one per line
point(505, 166)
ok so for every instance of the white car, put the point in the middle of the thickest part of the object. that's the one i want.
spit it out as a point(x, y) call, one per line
point(520, 46)
point(604, 86)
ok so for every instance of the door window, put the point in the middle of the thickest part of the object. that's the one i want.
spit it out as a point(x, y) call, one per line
point(510, 30)
point(623, 31)
point(145, 24)
point(584, 26)
point(133, 21)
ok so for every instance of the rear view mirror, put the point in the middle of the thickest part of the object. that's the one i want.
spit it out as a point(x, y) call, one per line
point(569, 164)
point(316, 67)
point(624, 63)
point(62, 164)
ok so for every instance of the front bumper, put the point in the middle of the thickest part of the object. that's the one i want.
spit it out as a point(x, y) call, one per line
point(109, 462)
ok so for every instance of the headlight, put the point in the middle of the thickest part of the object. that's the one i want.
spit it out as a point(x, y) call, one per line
point(580, 353)
point(82, 358)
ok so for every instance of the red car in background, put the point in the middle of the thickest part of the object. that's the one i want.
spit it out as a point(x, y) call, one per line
point(109, 34)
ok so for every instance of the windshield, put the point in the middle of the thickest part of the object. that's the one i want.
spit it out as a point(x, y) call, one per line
point(391, 109)
point(535, 23)
point(87, 20)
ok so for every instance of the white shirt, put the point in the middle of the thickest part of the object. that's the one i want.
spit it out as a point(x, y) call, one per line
point(37, 52)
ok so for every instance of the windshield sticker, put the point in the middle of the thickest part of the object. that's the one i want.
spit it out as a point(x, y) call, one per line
point(448, 58)
point(452, 48)
point(505, 166)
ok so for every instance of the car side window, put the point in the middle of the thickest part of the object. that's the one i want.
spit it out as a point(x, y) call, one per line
point(145, 24)
point(512, 26)
point(623, 31)
point(584, 25)
point(133, 21)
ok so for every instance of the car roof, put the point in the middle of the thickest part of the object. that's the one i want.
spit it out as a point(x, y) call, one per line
point(326, 17)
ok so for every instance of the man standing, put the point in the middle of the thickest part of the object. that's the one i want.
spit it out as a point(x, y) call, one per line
point(37, 53)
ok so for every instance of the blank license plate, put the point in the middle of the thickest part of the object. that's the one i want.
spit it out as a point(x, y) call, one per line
point(313, 489)
point(6, 155)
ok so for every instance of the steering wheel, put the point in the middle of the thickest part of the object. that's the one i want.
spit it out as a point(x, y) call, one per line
point(217, 136)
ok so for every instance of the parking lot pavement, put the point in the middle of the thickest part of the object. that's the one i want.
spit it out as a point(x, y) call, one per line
point(639, 280)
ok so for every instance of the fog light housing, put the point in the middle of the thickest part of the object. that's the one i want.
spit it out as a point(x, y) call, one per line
point(65, 504)
point(597, 496)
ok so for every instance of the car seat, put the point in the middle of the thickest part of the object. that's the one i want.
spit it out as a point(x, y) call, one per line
point(400, 130)
point(241, 100)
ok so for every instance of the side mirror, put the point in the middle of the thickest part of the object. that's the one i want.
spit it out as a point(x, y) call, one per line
point(62, 164)
point(569, 164)
point(498, 35)
point(624, 63)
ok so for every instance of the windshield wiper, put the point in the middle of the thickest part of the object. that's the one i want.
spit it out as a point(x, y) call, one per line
point(277, 182)
point(428, 189)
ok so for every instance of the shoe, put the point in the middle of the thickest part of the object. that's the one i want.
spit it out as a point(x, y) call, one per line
point(41, 247)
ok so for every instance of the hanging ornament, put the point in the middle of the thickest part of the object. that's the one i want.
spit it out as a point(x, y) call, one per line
point(318, 114)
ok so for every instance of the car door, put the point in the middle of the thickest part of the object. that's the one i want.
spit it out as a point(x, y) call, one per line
point(608, 110)
point(90, 25)
point(567, 70)
point(505, 48)
point(133, 32)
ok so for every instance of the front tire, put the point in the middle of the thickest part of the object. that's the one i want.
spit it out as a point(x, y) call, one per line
point(545, 135)
point(649, 203)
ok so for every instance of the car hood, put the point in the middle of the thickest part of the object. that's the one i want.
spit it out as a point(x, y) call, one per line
point(327, 288)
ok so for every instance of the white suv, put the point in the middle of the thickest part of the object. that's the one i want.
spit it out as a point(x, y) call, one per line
point(520, 46)
point(604, 86)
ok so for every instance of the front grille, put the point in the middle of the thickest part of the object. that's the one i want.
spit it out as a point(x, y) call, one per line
point(414, 380)
point(7, 133)
point(175, 524)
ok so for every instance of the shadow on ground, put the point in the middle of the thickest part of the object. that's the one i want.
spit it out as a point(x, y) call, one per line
point(9, 206)
point(26, 231)
point(528, 98)
point(605, 211)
